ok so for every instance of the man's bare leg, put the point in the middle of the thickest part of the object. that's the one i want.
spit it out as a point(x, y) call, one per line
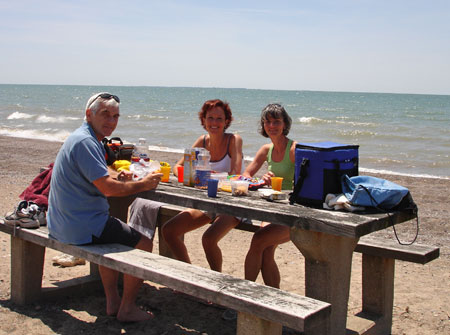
point(129, 311)
point(125, 309)
point(110, 279)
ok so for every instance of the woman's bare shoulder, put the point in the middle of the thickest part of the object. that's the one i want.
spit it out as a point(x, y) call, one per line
point(264, 149)
point(199, 141)
point(235, 138)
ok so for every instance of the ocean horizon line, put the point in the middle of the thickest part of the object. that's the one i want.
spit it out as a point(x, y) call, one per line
point(231, 88)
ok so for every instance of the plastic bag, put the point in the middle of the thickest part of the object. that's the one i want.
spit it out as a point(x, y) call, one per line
point(372, 191)
point(142, 168)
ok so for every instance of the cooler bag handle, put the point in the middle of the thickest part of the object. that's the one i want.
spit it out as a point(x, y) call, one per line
point(110, 154)
point(115, 139)
point(301, 178)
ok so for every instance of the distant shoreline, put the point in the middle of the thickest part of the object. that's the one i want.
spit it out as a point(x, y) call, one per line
point(248, 159)
point(220, 87)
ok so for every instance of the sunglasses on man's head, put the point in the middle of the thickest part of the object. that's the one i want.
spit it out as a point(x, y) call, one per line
point(105, 96)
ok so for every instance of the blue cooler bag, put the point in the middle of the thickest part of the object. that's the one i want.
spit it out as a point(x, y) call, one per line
point(318, 170)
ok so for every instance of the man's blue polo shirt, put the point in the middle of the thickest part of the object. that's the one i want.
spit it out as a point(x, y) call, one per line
point(77, 209)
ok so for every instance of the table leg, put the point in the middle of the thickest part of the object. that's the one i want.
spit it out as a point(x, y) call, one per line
point(93, 271)
point(27, 267)
point(251, 324)
point(328, 260)
point(378, 290)
point(118, 206)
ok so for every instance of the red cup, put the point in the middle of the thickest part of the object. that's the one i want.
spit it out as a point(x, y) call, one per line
point(180, 170)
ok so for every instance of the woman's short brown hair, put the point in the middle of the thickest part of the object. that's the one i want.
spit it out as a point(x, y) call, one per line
point(276, 111)
point(211, 104)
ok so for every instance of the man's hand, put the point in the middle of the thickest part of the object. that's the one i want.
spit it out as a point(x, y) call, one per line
point(114, 188)
point(125, 175)
point(151, 180)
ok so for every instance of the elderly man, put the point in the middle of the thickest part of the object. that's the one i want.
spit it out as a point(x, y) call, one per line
point(78, 209)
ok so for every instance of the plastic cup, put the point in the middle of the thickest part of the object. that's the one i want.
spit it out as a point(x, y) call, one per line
point(212, 187)
point(276, 183)
point(165, 170)
point(180, 170)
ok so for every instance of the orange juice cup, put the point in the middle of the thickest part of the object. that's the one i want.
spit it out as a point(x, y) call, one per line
point(276, 183)
point(165, 170)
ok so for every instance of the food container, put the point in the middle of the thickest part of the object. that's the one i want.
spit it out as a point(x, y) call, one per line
point(239, 187)
point(220, 176)
point(269, 194)
point(225, 185)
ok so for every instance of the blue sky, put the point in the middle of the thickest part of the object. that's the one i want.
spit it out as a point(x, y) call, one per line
point(365, 46)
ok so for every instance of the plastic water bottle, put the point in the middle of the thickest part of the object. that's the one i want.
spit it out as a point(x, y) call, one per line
point(142, 149)
point(203, 170)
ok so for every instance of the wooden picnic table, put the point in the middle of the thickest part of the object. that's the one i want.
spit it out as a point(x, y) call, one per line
point(326, 239)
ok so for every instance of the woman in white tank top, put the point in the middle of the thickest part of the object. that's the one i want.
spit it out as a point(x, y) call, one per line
point(224, 164)
point(226, 156)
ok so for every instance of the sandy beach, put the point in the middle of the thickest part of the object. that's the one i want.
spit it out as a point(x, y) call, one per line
point(421, 303)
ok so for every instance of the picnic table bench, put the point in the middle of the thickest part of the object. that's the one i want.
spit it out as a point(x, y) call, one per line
point(261, 309)
point(256, 315)
point(378, 268)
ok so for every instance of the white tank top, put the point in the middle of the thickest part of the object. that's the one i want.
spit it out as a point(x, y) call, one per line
point(224, 164)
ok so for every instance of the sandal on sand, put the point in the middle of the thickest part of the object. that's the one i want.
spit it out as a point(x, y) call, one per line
point(22, 216)
point(65, 260)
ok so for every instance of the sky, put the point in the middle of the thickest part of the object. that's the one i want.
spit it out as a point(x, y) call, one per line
point(358, 46)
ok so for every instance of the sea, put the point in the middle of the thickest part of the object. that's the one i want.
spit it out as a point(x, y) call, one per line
point(406, 134)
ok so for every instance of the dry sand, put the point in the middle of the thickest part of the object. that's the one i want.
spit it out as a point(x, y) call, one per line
point(421, 305)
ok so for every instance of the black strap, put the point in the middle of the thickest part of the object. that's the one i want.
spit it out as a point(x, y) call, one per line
point(111, 156)
point(413, 208)
point(301, 178)
point(337, 168)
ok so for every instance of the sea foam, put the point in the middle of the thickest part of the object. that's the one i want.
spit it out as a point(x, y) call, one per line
point(18, 116)
point(59, 136)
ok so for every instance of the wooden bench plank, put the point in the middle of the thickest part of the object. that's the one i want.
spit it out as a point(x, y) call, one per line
point(415, 253)
point(263, 301)
point(375, 246)
point(378, 266)
point(277, 306)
